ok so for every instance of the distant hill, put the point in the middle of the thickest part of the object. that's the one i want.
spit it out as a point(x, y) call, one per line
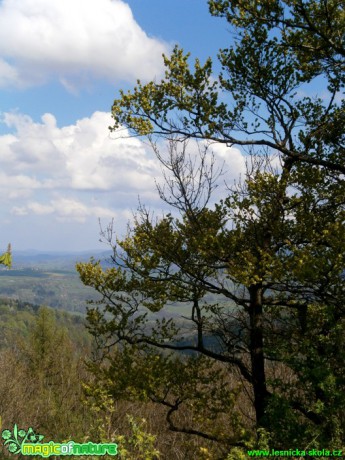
point(49, 278)
point(55, 260)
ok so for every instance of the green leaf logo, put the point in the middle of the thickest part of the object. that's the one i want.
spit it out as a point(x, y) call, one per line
point(13, 441)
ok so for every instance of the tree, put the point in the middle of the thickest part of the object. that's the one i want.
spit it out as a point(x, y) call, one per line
point(261, 272)
point(6, 257)
point(53, 372)
point(271, 59)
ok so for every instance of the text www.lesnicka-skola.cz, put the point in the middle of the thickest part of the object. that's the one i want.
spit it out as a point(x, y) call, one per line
point(296, 452)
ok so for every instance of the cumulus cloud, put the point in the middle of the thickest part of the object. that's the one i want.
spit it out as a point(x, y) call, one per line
point(72, 175)
point(41, 157)
point(80, 157)
point(233, 160)
point(75, 41)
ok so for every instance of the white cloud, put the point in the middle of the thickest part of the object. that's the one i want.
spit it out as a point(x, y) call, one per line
point(74, 41)
point(63, 209)
point(233, 159)
point(18, 182)
point(40, 157)
point(8, 75)
point(65, 178)
point(82, 156)
point(71, 174)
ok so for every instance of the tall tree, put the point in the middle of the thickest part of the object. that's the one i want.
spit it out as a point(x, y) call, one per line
point(262, 272)
point(53, 370)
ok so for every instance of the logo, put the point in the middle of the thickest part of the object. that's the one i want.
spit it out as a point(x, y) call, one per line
point(29, 443)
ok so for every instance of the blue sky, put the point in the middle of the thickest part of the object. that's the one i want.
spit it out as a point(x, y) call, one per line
point(61, 65)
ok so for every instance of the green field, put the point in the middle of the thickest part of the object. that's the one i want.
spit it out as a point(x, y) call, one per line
point(59, 289)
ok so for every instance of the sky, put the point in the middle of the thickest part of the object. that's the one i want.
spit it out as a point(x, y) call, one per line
point(62, 63)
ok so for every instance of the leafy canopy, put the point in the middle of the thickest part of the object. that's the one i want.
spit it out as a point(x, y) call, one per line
point(259, 275)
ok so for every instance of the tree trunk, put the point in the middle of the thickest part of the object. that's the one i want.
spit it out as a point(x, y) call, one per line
point(257, 352)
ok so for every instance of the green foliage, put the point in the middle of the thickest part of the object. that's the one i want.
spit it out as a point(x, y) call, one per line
point(137, 444)
point(284, 274)
point(311, 346)
point(17, 319)
point(270, 252)
point(6, 257)
point(197, 386)
point(53, 370)
point(281, 47)
point(140, 445)
point(312, 30)
point(262, 442)
point(43, 368)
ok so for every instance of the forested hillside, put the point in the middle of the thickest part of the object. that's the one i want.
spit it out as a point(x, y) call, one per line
point(45, 383)
point(48, 278)
point(18, 318)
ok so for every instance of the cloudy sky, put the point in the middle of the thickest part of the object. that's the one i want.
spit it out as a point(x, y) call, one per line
point(61, 65)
